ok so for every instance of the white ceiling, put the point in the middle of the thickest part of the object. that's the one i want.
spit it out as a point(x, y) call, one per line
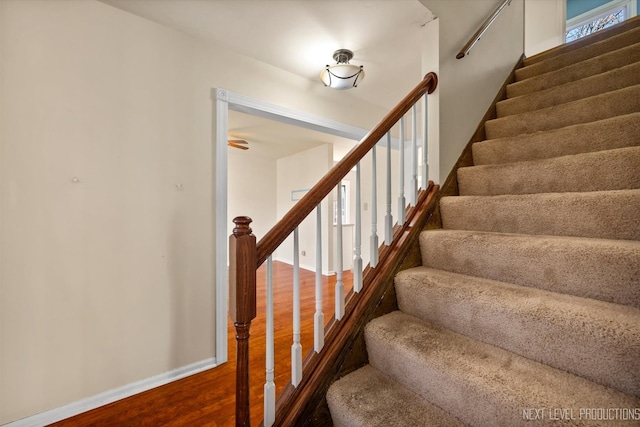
point(273, 140)
point(301, 36)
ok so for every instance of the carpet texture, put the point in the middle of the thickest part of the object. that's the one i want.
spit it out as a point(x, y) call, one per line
point(598, 107)
point(589, 67)
point(481, 384)
point(603, 170)
point(600, 214)
point(603, 269)
point(370, 398)
point(526, 309)
point(615, 132)
point(564, 331)
point(604, 82)
point(580, 54)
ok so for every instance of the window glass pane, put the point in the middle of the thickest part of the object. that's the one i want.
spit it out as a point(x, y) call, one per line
point(600, 23)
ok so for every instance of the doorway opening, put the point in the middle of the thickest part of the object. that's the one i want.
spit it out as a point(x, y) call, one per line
point(223, 102)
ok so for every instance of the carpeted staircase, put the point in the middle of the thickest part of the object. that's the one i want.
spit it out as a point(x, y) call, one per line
point(526, 310)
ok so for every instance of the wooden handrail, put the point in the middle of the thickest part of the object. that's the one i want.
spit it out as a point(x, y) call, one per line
point(245, 257)
point(274, 237)
point(483, 28)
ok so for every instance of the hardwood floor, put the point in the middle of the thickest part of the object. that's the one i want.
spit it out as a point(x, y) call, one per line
point(208, 398)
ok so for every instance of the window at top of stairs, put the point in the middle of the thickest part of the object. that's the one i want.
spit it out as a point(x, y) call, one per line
point(599, 18)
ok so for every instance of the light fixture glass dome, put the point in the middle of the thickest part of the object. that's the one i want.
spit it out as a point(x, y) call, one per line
point(342, 75)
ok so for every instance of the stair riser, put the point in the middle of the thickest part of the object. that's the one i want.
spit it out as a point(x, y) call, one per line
point(595, 85)
point(606, 170)
point(619, 102)
point(604, 215)
point(587, 52)
point(606, 270)
point(565, 332)
point(368, 398)
point(610, 61)
point(479, 384)
point(616, 132)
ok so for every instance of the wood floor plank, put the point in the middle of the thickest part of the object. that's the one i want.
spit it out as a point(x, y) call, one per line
point(208, 398)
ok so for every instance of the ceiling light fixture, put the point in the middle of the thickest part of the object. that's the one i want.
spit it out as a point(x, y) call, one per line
point(342, 75)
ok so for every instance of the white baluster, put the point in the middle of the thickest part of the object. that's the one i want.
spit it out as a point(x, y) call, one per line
point(296, 347)
point(414, 156)
point(318, 317)
point(357, 259)
point(402, 203)
point(388, 218)
point(425, 139)
point(374, 210)
point(339, 284)
point(269, 386)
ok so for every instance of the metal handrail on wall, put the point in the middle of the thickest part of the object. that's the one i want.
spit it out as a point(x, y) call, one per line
point(483, 28)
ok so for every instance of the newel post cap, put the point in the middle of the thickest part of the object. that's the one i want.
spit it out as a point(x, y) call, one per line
point(242, 226)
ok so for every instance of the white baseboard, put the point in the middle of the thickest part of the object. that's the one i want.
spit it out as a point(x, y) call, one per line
point(75, 408)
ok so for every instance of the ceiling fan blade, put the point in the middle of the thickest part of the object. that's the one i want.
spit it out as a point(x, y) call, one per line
point(238, 143)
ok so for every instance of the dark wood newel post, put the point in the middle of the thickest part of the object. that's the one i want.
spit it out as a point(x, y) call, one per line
point(242, 307)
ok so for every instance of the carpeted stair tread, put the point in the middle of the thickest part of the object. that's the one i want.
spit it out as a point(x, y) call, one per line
point(598, 214)
point(603, 269)
point(615, 132)
point(619, 28)
point(368, 398)
point(610, 104)
point(619, 78)
point(588, 51)
point(603, 63)
point(563, 331)
point(480, 384)
point(616, 169)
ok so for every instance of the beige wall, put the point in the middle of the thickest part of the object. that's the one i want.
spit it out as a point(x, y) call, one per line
point(301, 171)
point(252, 190)
point(109, 280)
point(431, 63)
point(544, 25)
point(467, 86)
